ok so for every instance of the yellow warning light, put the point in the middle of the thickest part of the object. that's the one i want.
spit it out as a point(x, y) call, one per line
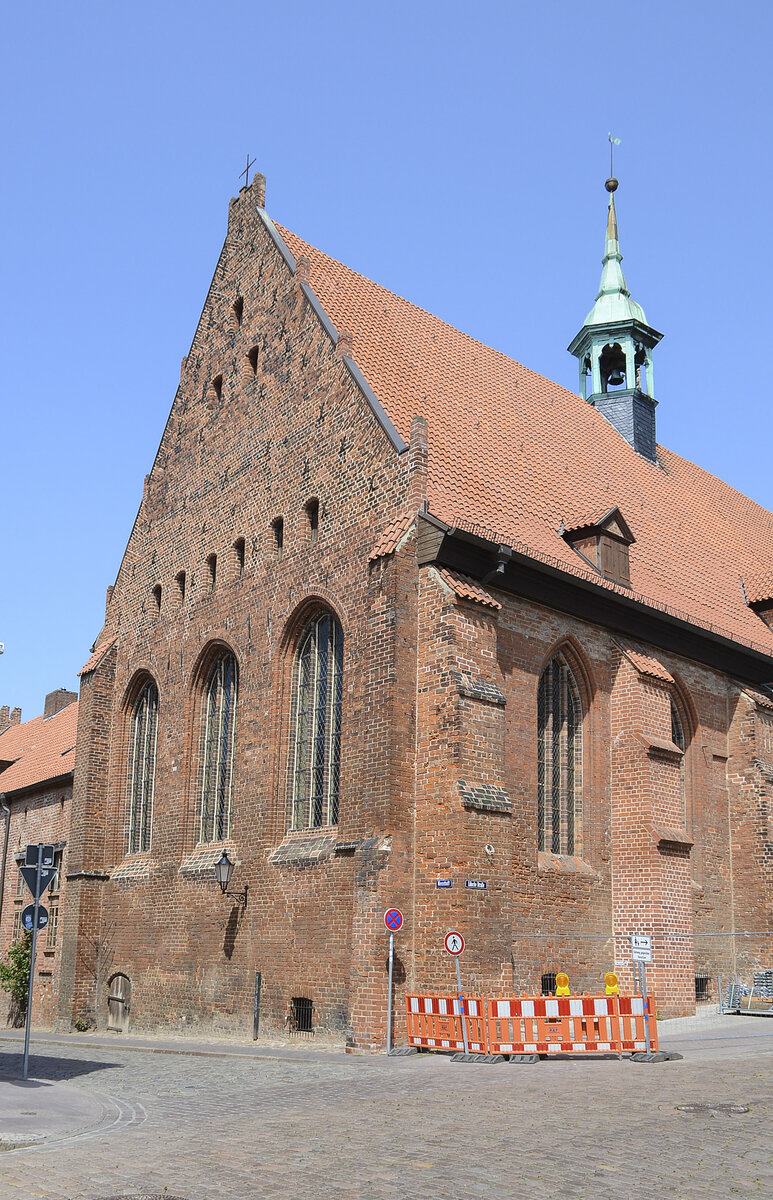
point(562, 984)
point(611, 984)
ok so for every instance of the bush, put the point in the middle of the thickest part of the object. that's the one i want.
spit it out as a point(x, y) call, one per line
point(15, 975)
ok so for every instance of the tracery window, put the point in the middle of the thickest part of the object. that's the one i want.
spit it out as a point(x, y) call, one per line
point(219, 715)
point(142, 767)
point(679, 739)
point(559, 730)
point(316, 749)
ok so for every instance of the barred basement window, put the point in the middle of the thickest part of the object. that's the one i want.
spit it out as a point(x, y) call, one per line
point(302, 1014)
point(548, 983)
point(559, 733)
point(318, 691)
point(702, 988)
point(142, 767)
point(217, 748)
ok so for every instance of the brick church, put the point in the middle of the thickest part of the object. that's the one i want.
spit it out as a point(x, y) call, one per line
point(397, 611)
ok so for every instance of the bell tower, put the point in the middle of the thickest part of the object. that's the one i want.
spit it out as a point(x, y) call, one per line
point(614, 348)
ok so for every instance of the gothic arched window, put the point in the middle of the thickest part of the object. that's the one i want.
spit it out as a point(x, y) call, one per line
point(219, 713)
point(142, 767)
point(559, 727)
point(679, 740)
point(316, 749)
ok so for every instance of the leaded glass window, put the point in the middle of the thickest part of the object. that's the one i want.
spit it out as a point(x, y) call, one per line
point(142, 767)
point(559, 727)
point(316, 757)
point(219, 714)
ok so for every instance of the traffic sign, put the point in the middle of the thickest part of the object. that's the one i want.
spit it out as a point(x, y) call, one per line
point(39, 850)
point(28, 917)
point(30, 875)
point(454, 942)
point(393, 919)
point(641, 947)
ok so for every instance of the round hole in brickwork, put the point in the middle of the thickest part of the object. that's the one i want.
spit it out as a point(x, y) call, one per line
point(719, 1109)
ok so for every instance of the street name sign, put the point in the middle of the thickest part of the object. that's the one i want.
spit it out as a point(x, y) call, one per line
point(444, 883)
point(476, 885)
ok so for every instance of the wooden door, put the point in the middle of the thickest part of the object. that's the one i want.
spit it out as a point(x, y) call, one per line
point(118, 1003)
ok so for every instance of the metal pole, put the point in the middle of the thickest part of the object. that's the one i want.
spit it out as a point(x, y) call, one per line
point(461, 1005)
point(646, 1006)
point(721, 1000)
point(25, 1064)
point(256, 1011)
point(389, 997)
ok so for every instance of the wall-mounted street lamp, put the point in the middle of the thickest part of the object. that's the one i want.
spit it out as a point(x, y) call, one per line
point(224, 869)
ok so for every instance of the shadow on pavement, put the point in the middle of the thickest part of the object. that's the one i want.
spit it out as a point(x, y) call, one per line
point(44, 1069)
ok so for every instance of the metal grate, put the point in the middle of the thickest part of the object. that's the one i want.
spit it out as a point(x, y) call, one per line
point(303, 1010)
point(702, 988)
point(548, 983)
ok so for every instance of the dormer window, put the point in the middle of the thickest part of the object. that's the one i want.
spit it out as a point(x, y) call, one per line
point(604, 545)
point(764, 610)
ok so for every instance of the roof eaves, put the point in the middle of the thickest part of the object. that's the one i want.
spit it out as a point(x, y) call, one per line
point(635, 602)
point(49, 781)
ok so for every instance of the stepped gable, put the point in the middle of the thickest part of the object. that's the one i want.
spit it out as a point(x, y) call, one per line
point(512, 454)
point(38, 750)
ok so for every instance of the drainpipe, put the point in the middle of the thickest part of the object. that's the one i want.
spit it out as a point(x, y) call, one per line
point(7, 814)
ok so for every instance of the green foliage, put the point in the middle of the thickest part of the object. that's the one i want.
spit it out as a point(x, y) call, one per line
point(15, 971)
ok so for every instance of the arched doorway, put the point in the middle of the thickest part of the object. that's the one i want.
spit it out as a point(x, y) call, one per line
point(118, 1002)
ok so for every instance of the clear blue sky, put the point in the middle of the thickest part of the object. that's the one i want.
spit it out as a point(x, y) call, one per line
point(454, 152)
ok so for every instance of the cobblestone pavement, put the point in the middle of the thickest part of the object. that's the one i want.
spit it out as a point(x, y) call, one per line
point(368, 1128)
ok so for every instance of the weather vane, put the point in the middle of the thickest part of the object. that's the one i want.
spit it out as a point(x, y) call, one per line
point(246, 171)
point(611, 184)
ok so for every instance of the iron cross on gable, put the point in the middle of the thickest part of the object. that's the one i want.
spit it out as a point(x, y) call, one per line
point(246, 171)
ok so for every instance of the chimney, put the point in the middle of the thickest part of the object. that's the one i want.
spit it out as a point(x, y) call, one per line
point(56, 701)
point(9, 717)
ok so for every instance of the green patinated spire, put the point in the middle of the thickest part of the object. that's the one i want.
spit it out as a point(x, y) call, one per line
point(613, 302)
point(614, 348)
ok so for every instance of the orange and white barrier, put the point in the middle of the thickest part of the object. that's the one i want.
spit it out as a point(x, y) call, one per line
point(532, 1025)
point(436, 1022)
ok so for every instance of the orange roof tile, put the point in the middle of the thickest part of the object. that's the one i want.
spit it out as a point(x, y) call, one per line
point(92, 663)
point(38, 750)
point(758, 586)
point(644, 662)
point(467, 589)
point(389, 539)
point(512, 453)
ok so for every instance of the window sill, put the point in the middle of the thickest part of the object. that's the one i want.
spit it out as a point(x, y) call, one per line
point(203, 858)
point(564, 864)
point(305, 847)
point(134, 866)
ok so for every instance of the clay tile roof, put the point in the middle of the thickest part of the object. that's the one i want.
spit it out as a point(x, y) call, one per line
point(761, 698)
point(513, 453)
point(467, 589)
point(389, 539)
point(93, 662)
point(644, 662)
point(38, 750)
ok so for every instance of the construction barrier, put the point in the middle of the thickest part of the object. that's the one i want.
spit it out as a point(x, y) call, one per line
point(436, 1022)
point(533, 1024)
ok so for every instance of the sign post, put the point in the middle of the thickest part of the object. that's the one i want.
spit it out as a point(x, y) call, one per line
point(454, 944)
point(641, 953)
point(38, 872)
point(393, 919)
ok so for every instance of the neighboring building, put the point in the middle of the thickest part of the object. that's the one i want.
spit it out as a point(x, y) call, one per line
point(36, 769)
point(396, 610)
